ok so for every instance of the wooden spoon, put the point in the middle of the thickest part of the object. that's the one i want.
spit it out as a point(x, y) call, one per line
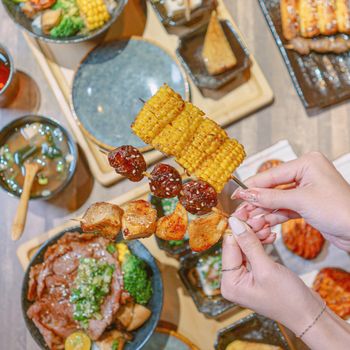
point(19, 222)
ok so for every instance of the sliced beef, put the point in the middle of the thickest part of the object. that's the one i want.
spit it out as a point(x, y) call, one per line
point(51, 281)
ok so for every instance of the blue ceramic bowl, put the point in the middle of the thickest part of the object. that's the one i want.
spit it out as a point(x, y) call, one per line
point(140, 336)
point(110, 82)
point(13, 10)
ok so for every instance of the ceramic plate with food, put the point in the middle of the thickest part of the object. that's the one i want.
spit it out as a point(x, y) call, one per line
point(64, 21)
point(110, 82)
point(88, 289)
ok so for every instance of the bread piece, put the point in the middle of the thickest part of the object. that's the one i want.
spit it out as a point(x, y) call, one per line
point(139, 220)
point(289, 18)
point(173, 227)
point(333, 285)
point(327, 20)
point(103, 218)
point(217, 52)
point(343, 15)
point(308, 18)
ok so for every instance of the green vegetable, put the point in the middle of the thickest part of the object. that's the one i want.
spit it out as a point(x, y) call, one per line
point(70, 25)
point(50, 152)
point(111, 248)
point(176, 243)
point(24, 153)
point(43, 180)
point(115, 345)
point(136, 280)
point(91, 285)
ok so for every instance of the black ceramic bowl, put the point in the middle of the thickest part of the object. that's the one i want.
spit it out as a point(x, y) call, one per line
point(253, 328)
point(140, 336)
point(190, 50)
point(8, 130)
point(14, 11)
point(211, 307)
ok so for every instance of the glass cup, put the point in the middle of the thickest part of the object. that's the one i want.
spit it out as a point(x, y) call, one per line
point(9, 91)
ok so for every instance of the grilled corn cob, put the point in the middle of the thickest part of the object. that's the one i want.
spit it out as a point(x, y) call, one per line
point(206, 141)
point(179, 129)
point(95, 13)
point(175, 137)
point(219, 166)
point(157, 113)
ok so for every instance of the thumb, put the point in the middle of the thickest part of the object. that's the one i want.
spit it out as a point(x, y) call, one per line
point(248, 242)
point(271, 198)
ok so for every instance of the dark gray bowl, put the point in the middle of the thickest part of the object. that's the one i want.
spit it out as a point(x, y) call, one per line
point(142, 335)
point(7, 131)
point(13, 10)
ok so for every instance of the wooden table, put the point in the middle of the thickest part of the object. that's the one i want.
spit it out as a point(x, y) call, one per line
point(327, 132)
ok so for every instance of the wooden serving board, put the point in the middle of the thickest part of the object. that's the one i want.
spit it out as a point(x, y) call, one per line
point(59, 62)
point(178, 307)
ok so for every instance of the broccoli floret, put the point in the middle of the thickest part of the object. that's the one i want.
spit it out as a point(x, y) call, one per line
point(67, 27)
point(136, 280)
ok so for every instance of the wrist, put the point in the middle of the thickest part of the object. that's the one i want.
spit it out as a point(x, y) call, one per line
point(329, 332)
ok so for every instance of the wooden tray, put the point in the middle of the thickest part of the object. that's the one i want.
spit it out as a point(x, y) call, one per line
point(178, 308)
point(59, 63)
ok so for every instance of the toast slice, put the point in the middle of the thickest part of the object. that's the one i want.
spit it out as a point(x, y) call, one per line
point(217, 53)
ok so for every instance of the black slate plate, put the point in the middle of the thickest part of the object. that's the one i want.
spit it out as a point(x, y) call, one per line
point(141, 335)
point(254, 328)
point(320, 80)
point(190, 55)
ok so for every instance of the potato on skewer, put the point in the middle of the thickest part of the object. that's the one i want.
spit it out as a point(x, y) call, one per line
point(207, 231)
point(174, 226)
point(139, 220)
point(104, 218)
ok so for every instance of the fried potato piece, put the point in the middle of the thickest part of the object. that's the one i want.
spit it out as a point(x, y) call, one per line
point(140, 315)
point(173, 227)
point(125, 314)
point(112, 338)
point(139, 220)
point(104, 218)
point(333, 285)
point(206, 231)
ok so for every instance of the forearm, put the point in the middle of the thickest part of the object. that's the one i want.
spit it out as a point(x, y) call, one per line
point(329, 332)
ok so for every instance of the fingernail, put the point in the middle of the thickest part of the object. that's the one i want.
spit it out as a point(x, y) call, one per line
point(242, 206)
point(234, 194)
point(238, 227)
point(229, 239)
point(247, 195)
point(257, 216)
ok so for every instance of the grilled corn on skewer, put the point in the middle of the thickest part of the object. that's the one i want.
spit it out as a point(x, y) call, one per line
point(180, 129)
